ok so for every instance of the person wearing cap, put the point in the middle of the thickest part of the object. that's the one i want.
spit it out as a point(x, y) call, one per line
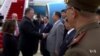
point(81, 15)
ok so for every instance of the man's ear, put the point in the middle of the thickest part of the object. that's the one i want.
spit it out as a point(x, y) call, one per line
point(74, 12)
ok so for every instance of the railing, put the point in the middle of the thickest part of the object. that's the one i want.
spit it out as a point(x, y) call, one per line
point(5, 8)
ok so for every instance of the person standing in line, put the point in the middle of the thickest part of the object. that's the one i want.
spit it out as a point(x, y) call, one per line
point(55, 37)
point(9, 40)
point(38, 23)
point(81, 15)
point(64, 18)
point(28, 34)
point(45, 28)
point(16, 32)
point(67, 39)
point(63, 15)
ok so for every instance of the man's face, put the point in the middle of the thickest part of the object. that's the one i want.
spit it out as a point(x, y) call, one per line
point(14, 16)
point(70, 16)
point(54, 17)
point(31, 13)
point(63, 14)
point(45, 20)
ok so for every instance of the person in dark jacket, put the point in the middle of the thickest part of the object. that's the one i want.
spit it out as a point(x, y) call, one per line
point(9, 41)
point(28, 35)
point(64, 17)
point(37, 23)
point(45, 28)
point(67, 39)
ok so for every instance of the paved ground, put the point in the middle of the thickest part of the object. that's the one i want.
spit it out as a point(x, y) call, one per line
point(38, 54)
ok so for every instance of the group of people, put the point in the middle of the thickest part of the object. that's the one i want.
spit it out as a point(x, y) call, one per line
point(75, 32)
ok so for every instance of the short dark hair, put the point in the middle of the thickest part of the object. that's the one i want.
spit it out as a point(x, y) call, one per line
point(46, 17)
point(27, 10)
point(38, 16)
point(98, 11)
point(58, 14)
point(7, 26)
point(64, 10)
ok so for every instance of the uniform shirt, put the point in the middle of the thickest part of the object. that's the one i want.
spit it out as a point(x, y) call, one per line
point(89, 43)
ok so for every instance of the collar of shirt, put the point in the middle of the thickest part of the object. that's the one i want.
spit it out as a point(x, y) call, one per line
point(56, 22)
point(45, 24)
point(70, 31)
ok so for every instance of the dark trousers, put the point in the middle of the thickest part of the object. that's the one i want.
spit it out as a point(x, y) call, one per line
point(29, 50)
point(26, 52)
point(43, 48)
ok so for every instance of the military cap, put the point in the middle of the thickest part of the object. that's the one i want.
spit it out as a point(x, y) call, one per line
point(85, 5)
